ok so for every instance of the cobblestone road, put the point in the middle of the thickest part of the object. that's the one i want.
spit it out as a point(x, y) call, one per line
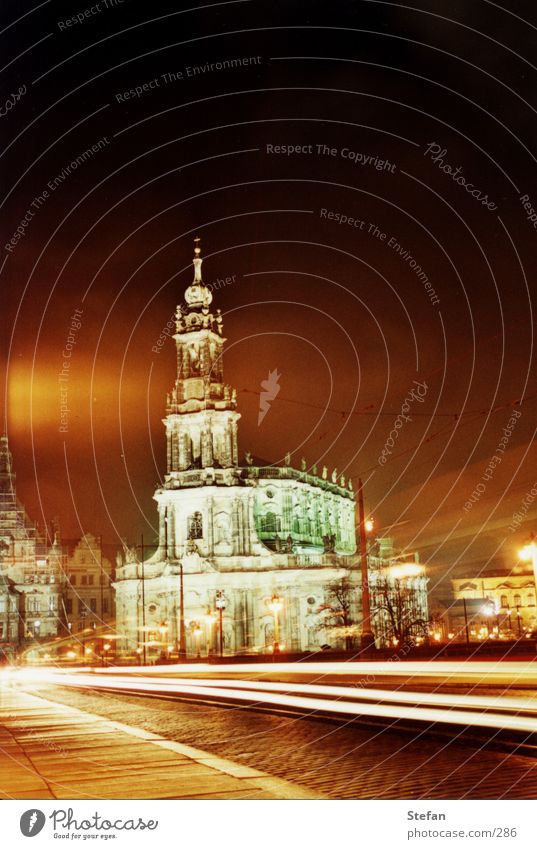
point(342, 762)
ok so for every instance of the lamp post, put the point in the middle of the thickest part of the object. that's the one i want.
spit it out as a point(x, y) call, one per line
point(163, 631)
point(466, 623)
point(144, 648)
point(197, 631)
point(220, 605)
point(276, 605)
point(106, 649)
point(368, 638)
point(210, 619)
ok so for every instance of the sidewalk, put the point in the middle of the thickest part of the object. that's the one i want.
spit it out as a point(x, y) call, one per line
point(50, 751)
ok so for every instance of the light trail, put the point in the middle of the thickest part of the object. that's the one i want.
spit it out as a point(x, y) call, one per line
point(493, 712)
point(511, 670)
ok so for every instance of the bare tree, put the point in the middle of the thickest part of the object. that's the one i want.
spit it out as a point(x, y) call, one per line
point(396, 610)
point(338, 610)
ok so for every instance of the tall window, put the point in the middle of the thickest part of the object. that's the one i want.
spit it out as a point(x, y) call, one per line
point(531, 600)
point(93, 605)
point(270, 523)
point(503, 601)
point(518, 600)
point(195, 526)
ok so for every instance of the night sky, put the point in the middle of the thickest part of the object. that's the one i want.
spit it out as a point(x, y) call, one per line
point(415, 123)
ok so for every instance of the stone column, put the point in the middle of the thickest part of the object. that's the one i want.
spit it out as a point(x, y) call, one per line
point(161, 531)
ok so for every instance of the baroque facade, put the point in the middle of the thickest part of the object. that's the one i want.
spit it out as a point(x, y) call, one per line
point(231, 534)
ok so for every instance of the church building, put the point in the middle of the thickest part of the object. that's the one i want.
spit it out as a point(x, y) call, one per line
point(247, 553)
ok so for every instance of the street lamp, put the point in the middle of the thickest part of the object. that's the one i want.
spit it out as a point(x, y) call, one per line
point(488, 610)
point(368, 638)
point(210, 619)
point(220, 605)
point(197, 631)
point(163, 630)
point(276, 605)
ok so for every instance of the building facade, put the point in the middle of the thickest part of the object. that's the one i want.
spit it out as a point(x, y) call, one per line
point(247, 553)
point(502, 604)
point(34, 569)
point(88, 598)
point(11, 619)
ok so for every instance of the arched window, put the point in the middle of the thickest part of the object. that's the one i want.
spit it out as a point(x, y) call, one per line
point(270, 523)
point(503, 601)
point(195, 526)
point(518, 600)
point(531, 600)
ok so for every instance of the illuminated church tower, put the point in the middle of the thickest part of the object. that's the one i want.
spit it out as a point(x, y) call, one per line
point(201, 421)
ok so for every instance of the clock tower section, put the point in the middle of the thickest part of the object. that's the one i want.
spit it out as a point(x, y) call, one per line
point(201, 418)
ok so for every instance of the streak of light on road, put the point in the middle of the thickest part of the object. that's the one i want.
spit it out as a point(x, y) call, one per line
point(477, 711)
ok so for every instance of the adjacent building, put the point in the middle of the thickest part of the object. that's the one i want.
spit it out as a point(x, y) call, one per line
point(88, 598)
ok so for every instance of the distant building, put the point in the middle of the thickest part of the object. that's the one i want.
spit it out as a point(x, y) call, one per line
point(88, 596)
point(499, 602)
point(34, 568)
point(399, 601)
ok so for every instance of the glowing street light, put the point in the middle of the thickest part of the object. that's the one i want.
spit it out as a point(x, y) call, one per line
point(220, 605)
point(276, 605)
point(406, 570)
point(197, 631)
point(210, 619)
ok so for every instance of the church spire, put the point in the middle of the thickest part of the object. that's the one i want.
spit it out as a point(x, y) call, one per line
point(198, 295)
point(197, 260)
